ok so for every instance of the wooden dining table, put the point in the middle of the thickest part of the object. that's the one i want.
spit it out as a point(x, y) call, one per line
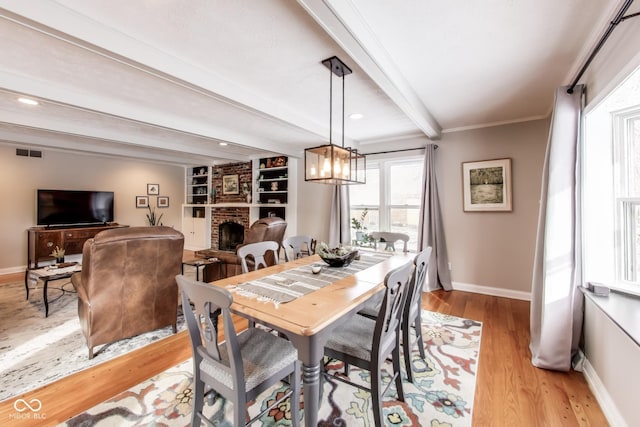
point(308, 320)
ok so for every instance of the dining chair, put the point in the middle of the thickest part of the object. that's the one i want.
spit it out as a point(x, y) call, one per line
point(240, 367)
point(257, 251)
point(367, 343)
point(296, 247)
point(412, 310)
point(389, 239)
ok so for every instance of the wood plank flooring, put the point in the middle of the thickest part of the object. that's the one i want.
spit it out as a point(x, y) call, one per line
point(509, 391)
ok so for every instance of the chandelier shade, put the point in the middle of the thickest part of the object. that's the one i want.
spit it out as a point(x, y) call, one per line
point(331, 163)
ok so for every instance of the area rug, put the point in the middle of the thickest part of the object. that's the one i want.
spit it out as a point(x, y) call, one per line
point(36, 350)
point(441, 395)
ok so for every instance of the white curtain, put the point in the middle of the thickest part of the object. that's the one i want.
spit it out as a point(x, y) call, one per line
point(556, 305)
point(339, 225)
point(431, 228)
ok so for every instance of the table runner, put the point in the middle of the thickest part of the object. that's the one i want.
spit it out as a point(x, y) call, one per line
point(288, 285)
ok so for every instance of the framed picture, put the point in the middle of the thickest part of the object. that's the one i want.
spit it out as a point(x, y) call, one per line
point(230, 184)
point(142, 201)
point(153, 189)
point(486, 185)
point(163, 201)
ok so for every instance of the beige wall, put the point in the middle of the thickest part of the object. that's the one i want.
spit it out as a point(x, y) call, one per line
point(493, 249)
point(21, 176)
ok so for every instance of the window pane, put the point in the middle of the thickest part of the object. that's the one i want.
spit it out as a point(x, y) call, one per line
point(366, 194)
point(405, 184)
point(370, 222)
point(635, 156)
point(631, 227)
point(405, 220)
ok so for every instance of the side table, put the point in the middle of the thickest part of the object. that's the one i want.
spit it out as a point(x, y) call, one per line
point(201, 263)
point(47, 274)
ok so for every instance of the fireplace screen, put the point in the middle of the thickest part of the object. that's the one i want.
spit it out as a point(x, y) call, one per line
point(231, 235)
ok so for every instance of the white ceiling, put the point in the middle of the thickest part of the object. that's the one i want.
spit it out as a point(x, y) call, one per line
point(168, 80)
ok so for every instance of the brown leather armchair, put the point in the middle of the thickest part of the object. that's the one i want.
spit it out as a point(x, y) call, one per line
point(264, 229)
point(127, 284)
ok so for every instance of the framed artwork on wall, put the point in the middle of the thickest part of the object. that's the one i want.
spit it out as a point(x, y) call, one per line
point(153, 189)
point(486, 186)
point(230, 184)
point(142, 201)
point(163, 201)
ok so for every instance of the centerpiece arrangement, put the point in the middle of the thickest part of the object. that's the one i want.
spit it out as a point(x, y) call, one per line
point(336, 257)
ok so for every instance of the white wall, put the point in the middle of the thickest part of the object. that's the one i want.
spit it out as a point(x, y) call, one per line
point(20, 177)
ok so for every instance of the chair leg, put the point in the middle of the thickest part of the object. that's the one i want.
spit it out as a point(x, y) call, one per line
point(376, 397)
point(398, 372)
point(294, 403)
point(406, 350)
point(198, 400)
point(418, 327)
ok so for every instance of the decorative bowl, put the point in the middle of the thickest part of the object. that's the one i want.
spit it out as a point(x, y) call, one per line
point(339, 260)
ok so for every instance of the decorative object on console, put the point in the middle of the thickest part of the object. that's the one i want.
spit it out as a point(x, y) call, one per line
point(330, 163)
point(486, 185)
point(152, 218)
point(142, 202)
point(153, 189)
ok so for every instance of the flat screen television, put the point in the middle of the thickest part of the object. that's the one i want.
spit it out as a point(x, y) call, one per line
point(74, 207)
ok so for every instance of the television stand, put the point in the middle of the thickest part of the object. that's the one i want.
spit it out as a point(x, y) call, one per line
point(42, 240)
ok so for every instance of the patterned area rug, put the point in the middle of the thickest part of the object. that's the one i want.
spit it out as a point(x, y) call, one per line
point(37, 350)
point(442, 395)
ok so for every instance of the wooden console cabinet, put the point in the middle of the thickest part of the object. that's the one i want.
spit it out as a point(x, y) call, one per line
point(41, 241)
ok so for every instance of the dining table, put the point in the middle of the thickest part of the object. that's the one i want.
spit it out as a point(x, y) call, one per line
point(315, 305)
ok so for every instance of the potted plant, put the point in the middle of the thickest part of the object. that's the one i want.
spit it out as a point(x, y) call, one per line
point(151, 217)
point(58, 254)
point(358, 225)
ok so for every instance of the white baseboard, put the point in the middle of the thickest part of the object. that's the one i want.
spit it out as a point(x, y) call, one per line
point(602, 396)
point(496, 292)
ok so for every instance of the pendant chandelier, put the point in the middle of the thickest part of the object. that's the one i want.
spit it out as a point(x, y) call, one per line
point(331, 163)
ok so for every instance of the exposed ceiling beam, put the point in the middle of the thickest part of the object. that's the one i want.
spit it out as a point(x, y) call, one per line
point(342, 21)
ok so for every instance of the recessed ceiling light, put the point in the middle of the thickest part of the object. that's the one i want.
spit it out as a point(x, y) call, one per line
point(356, 116)
point(28, 101)
point(224, 144)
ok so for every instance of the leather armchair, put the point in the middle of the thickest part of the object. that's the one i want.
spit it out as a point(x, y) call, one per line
point(127, 285)
point(264, 229)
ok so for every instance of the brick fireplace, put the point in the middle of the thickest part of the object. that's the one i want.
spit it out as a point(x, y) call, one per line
point(239, 215)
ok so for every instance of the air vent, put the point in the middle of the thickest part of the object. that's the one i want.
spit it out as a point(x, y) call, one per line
point(35, 153)
point(22, 152)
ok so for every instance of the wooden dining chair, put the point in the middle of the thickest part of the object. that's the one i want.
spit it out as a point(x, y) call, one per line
point(389, 239)
point(367, 343)
point(411, 316)
point(296, 247)
point(240, 367)
point(257, 251)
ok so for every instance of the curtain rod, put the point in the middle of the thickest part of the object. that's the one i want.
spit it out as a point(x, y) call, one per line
point(612, 25)
point(397, 151)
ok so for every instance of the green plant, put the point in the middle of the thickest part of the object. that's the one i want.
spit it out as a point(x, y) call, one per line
point(151, 217)
point(358, 224)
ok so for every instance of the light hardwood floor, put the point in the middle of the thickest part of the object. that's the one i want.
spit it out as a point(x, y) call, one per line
point(509, 391)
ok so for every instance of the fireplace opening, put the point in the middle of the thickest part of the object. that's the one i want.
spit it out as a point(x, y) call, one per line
point(231, 235)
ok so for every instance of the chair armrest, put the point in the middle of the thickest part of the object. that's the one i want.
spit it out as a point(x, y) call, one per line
point(76, 281)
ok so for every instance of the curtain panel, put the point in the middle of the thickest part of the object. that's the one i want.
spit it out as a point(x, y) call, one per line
point(556, 305)
point(339, 221)
point(431, 227)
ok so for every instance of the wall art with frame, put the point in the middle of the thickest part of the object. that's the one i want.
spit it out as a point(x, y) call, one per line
point(486, 186)
point(230, 184)
point(163, 202)
point(142, 201)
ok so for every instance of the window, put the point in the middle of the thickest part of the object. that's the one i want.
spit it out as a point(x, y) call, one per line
point(611, 189)
point(391, 196)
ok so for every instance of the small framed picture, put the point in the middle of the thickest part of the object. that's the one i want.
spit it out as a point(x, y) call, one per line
point(486, 185)
point(163, 201)
point(230, 184)
point(153, 189)
point(142, 201)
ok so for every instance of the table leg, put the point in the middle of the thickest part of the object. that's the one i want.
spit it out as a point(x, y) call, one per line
point(26, 282)
point(44, 294)
point(311, 385)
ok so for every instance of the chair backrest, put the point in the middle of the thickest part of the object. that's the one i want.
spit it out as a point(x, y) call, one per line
point(414, 297)
point(266, 229)
point(296, 247)
point(389, 238)
point(202, 304)
point(258, 251)
point(387, 327)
